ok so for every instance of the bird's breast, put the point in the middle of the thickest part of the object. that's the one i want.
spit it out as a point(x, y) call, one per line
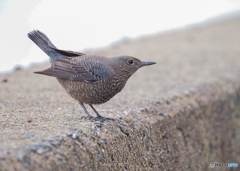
point(93, 92)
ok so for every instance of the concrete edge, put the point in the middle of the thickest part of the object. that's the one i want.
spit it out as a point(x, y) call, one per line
point(184, 132)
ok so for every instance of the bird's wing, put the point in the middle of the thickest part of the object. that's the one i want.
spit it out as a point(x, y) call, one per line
point(83, 68)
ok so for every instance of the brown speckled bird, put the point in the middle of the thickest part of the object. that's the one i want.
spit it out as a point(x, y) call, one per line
point(89, 79)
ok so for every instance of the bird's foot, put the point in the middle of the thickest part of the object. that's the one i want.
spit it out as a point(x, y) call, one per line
point(98, 118)
point(87, 117)
point(101, 118)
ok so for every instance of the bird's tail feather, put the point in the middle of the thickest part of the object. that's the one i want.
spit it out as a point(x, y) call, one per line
point(43, 42)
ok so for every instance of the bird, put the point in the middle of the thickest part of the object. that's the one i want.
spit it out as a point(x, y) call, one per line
point(89, 79)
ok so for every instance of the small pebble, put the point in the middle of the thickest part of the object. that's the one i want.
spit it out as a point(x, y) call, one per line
point(40, 151)
point(80, 131)
point(74, 136)
point(115, 131)
point(29, 120)
point(173, 97)
point(101, 159)
point(143, 109)
point(168, 102)
point(4, 80)
point(69, 135)
point(17, 68)
point(31, 136)
point(161, 114)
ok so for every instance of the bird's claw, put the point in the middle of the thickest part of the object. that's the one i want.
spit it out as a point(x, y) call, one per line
point(87, 117)
point(101, 118)
point(98, 118)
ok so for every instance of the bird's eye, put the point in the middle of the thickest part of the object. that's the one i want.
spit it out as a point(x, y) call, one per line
point(130, 62)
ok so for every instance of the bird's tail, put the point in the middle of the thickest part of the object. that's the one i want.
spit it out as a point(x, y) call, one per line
point(43, 42)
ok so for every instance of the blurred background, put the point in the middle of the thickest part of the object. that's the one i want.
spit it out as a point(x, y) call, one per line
point(77, 25)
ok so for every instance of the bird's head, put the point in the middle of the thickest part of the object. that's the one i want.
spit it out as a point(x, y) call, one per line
point(127, 65)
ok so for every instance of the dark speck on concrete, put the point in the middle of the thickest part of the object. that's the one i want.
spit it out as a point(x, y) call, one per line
point(80, 131)
point(31, 136)
point(147, 140)
point(101, 159)
point(115, 131)
point(69, 135)
point(4, 80)
point(168, 102)
point(105, 140)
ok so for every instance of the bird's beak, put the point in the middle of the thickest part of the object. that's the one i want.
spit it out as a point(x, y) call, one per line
point(145, 63)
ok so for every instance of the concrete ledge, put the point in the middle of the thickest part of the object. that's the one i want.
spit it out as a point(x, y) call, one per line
point(181, 122)
point(205, 128)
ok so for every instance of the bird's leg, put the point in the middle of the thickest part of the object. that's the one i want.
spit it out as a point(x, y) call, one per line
point(89, 116)
point(100, 117)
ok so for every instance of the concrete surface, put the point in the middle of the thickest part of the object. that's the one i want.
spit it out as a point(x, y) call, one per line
point(180, 114)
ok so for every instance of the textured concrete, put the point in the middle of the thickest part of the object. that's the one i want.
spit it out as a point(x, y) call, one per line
point(180, 114)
